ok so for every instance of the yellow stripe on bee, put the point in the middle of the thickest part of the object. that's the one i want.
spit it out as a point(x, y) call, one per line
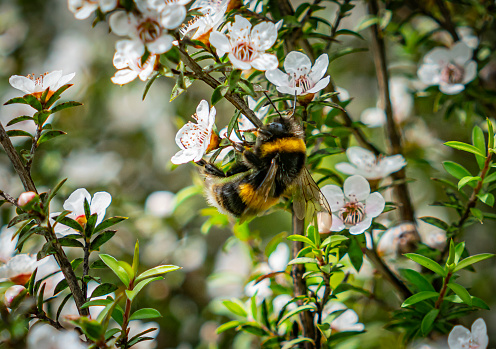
point(253, 199)
point(284, 145)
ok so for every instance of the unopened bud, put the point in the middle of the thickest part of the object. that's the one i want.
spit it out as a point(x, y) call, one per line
point(324, 221)
point(27, 200)
point(12, 293)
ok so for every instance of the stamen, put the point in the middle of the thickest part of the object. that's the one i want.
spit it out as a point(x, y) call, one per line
point(244, 51)
point(352, 213)
point(149, 30)
point(452, 73)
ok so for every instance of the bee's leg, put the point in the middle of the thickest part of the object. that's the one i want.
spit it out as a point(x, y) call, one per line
point(211, 169)
point(252, 159)
point(237, 168)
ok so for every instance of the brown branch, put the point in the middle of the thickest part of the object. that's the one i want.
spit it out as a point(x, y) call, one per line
point(440, 299)
point(60, 255)
point(394, 136)
point(448, 24)
point(300, 286)
point(233, 98)
point(8, 197)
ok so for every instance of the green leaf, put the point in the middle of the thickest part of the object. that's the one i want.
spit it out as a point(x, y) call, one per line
point(136, 255)
point(101, 239)
point(333, 240)
point(41, 116)
point(161, 269)
point(456, 170)
point(19, 133)
point(427, 263)
point(419, 297)
point(108, 223)
point(301, 238)
point(461, 292)
point(235, 306)
point(356, 254)
point(294, 342)
point(298, 310)
point(62, 285)
point(490, 131)
point(303, 260)
point(228, 326)
point(71, 223)
point(428, 321)
point(417, 280)
point(465, 180)
point(19, 119)
point(54, 191)
point(65, 105)
point(477, 214)
point(471, 260)
point(145, 313)
point(70, 242)
point(16, 100)
point(33, 101)
point(118, 270)
point(436, 222)
point(56, 95)
point(149, 84)
point(487, 198)
point(218, 94)
point(480, 143)
point(465, 147)
point(103, 289)
point(348, 32)
point(134, 292)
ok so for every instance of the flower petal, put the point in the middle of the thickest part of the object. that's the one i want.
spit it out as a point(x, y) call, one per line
point(240, 28)
point(101, 200)
point(265, 61)
point(297, 63)
point(51, 79)
point(278, 260)
point(459, 337)
point(64, 80)
point(374, 205)
point(346, 168)
point(479, 333)
point(429, 74)
point(361, 227)
point(361, 157)
point(161, 44)
point(263, 35)
point(470, 72)
point(85, 11)
point(122, 77)
point(202, 112)
point(319, 68)
point(451, 89)
point(22, 83)
point(173, 16)
point(75, 201)
point(277, 77)
point(121, 23)
point(237, 63)
point(107, 5)
point(356, 188)
point(334, 196)
point(220, 42)
point(186, 155)
point(319, 85)
point(460, 53)
point(439, 55)
point(391, 164)
point(337, 224)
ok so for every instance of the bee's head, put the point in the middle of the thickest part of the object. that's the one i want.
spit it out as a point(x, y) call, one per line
point(280, 127)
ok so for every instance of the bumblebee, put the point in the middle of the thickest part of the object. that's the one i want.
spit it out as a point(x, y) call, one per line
point(273, 168)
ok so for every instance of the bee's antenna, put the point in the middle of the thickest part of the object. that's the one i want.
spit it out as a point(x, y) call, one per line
point(272, 103)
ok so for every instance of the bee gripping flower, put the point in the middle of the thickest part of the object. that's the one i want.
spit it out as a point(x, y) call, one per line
point(35, 86)
point(75, 203)
point(246, 46)
point(363, 162)
point(462, 338)
point(300, 77)
point(353, 207)
point(196, 139)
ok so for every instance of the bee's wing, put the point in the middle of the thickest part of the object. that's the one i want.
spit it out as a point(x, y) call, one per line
point(308, 192)
point(264, 190)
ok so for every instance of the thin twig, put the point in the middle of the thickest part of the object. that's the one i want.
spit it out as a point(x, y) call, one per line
point(8, 197)
point(394, 136)
point(450, 27)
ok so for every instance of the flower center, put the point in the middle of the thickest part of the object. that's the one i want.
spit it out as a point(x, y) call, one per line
point(302, 82)
point(352, 213)
point(81, 220)
point(149, 30)
point(196, 136)
point(452, 73)
point(244, 51)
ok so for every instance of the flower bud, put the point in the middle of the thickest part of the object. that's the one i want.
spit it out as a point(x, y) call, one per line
point(324, 221)
point(27, 200)
point(12, 293)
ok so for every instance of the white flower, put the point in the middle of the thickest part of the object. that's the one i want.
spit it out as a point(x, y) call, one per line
point(213, 14)
point(37, 85)
point(347, 321)
point(365, 163)
point(146, 27)
point(468, 36)
point(7, 244)
point(398, 240)
point(279, 259)
point(280, 301)
point(451, 69)
point(47, 337)
point(261, 290)
point(19, 268)
point(127, 59)
point(300, 77)
point(172, 12)
point(82, 9)
point(243, 123)
point(461, 338)
point(355, 208)
point(75, 204)
point(160, 203)
point(246, 46)
point(194, 139)
point(11, 293)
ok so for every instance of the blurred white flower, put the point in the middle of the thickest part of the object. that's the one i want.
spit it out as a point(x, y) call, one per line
point(11, 293)
point(194, 139)
point(355, 208)
point(462, 338)
point(37, 85)
point(398, 240)
point(243, 123)
point(280, 301)
point(246, 46)
point(260, 289)
point(401, 102)
point(137, 326)
point(451, 69)
point(7, 243)
point(127, 59)
point(172, 12)
point(347, 321)
point(47, 337)
point(279, 259)
point(160, 203)
point(19, 268)
point(82, 9)
point(366, 164)
point(190, 253)
point(213, 12)
point(468, 36)
point(89, 168)
point(75, 204)
point(146, 26)
point(300, 77)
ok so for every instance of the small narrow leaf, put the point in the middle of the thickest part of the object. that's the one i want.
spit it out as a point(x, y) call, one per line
point(65, 105)
point(113, 264)
point(19, 133)
point(427, 263)
point(456, 170)
point(160, 270)
point(461, 292)
point(465, 147)
point(235, 307)
point(19, 119)
point(471, 260)
point(302, 308)
point(428, 321)
point(103, 289)
point(419, 297)
point(145, 313)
